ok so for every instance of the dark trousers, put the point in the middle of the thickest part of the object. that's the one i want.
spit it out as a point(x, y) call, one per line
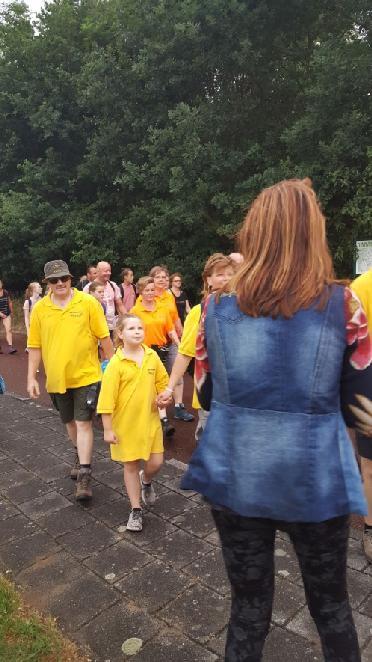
point(248, 551)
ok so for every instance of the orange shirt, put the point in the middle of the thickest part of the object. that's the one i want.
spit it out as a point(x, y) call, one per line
point(167, 301)
point(158, 323)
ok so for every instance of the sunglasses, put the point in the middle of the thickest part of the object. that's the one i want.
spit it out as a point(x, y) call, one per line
point(63, 279)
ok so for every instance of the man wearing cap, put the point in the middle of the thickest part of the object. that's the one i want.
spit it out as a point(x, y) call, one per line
point(65, 327)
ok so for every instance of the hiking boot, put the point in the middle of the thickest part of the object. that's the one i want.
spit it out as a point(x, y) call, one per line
point(181, 414)
point(83, 485)
point(75, 469)
point(367, 544)
point(11, 349)
point(134, 522)
point(147, 491)
point(168, 429)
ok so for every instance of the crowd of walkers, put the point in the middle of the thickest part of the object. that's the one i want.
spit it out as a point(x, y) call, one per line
point(282, 362)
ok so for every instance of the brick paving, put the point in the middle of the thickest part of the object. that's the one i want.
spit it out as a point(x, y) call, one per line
point(166, 586)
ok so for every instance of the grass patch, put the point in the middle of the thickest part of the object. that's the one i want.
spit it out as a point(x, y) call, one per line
point(25, 636)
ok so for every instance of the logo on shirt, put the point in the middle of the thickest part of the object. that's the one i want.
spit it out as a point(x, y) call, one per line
point(77, 313)
point(151, 371)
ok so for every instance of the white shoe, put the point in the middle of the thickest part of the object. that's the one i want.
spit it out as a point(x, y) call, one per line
point(147, 491)
point(135, 520)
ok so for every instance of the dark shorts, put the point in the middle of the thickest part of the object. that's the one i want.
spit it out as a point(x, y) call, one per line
point(364, 446)
point(72, 405)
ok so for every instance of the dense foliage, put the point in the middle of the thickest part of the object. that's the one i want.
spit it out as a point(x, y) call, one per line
point(139, 132)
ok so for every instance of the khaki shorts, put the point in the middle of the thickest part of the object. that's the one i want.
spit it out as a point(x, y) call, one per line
point(72, 405)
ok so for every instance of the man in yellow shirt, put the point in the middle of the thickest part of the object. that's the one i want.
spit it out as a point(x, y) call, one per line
point(65, 327)
point(362, 286)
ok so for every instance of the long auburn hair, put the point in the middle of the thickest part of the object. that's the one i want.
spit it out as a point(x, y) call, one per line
point(287, 264)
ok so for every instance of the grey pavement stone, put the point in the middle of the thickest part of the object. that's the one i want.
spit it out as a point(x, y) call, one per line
point(85, 542)
point(102, 495)
point(113, 513)
point(355, 557)
point(367, 653)
point(168, 472)
point(174, 485)
point(153, 528)
point(106, 633)
point(359, 586)
point(26, 491)
point(154, 585)
point(118, 560)
point(171, 504)
point(7, 510)
point(173, 647)
point(210, 570)
point(44, 505)
point(8, 466)
point(287, 647)
point(286, 563)
point(288, 600)
point(64, 486)
point(198, 612)
point(214, 539)
point(197, 521)
point(14, 478)
point(179, 548)
point(113, 479)
point(47, 581)
point(303, 625)
point(218, 642)
point(15, 528)
point(22, 553)
point(65, 520)
point(102, 465)
point(48, 467)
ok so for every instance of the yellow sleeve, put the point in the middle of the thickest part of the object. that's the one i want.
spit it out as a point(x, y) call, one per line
point(161, 376)
point(362, 286)
point(109, 388)
point(34, 336)
point(190, 332)
point(97, 318)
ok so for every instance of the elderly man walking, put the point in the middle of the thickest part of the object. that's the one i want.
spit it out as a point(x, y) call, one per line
point(111, 296)
point(65, 328)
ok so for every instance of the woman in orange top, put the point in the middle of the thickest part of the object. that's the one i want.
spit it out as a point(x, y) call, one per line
point(166, 300)
point(159, 329)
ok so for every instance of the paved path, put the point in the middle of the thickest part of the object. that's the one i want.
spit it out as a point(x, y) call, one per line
point(166, 586)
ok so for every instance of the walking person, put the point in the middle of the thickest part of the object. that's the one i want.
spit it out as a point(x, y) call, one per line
point(127, 289)
point(159, 331)
point(111, 296)
point(65, 328)
point(88, 278)
point(217, 272)
point(127, 403)
point(6, 309)
point(32, 295)
point(180, 296)
point(165, 299)
point(276, 356)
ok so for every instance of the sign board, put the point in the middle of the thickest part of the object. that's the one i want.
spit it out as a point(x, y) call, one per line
point(364, 256)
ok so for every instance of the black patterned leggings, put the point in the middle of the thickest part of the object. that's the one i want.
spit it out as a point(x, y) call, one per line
point(248, 550)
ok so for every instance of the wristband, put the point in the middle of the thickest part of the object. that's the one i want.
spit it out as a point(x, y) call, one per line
point(167, 388)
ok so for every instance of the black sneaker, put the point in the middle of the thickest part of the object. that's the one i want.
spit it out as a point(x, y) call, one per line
point(168, 429)
point(181, 414)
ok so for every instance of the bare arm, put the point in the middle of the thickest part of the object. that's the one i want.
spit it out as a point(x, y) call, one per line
point(107, 347)
point(120, 308)
point(108, 433)
point(34, 358)
point(178, 327)
point(179, 368)
point(26, 313)
point(174, 337)
point(187, 307)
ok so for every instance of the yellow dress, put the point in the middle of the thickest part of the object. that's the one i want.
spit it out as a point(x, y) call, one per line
point(128, 392)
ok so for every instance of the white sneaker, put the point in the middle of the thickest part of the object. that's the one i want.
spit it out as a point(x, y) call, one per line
point(135, 520)
point(147, 491)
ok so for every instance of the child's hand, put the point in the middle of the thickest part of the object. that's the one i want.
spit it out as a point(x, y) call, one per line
point(164, 399)
point(110, 437)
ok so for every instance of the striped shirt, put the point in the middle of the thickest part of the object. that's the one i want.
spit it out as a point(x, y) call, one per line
point(4, 303)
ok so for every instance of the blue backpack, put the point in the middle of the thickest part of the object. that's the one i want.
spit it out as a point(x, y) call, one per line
point(2, 385)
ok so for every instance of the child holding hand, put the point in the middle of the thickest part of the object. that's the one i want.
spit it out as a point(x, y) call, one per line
point(131, 423)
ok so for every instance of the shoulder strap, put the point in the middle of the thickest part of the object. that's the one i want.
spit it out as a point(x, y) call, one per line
point(112, 285)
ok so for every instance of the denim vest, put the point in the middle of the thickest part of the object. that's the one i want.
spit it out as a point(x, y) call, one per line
point(275, 444)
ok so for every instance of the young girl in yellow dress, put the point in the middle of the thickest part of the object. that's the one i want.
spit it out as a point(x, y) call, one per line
point(131, 423)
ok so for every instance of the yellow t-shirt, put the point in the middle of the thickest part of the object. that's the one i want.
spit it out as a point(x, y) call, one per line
point(362, 286)
point(128, 392)
point(187, 344)
point(157, 323)
point(68, 339)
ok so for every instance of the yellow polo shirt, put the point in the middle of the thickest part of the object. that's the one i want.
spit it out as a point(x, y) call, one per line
point(362, 286)
point(187, 344)
point(128, 393)
point(68, 339)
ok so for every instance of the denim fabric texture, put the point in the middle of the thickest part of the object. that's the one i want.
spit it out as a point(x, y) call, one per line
point(275, 444)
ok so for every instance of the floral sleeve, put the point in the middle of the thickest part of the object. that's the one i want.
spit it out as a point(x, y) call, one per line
point(356, 379)
point(202, 375)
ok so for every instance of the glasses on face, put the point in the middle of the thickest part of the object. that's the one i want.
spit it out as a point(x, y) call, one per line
point(54, 281)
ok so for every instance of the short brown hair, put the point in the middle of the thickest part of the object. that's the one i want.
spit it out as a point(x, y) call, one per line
point(173, 276)
point(215, 261)
point(287, 263)
point(156, 270)
point(143, 282)
point(120, 324)
point(93, 286)
point(124, 272)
